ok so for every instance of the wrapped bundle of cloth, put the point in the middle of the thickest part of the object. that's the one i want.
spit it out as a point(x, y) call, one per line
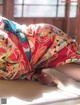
point(26, 50)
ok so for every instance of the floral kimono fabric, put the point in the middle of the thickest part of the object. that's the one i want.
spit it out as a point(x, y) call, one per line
point(26, 50)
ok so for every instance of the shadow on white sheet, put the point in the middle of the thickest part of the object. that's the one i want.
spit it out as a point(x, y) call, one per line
point(23, 92)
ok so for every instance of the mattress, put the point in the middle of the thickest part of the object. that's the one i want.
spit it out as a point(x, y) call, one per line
point(23, 92)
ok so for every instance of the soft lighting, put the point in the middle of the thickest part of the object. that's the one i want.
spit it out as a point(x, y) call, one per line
point(16, 101)
point(64, 93)
point(70, 89)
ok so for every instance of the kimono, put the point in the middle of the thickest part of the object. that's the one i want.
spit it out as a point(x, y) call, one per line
point(26, 50)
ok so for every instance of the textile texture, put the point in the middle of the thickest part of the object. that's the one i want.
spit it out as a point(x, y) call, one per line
point(26, 50)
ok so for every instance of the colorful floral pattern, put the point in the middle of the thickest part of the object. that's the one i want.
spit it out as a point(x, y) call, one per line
point(26, 50)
